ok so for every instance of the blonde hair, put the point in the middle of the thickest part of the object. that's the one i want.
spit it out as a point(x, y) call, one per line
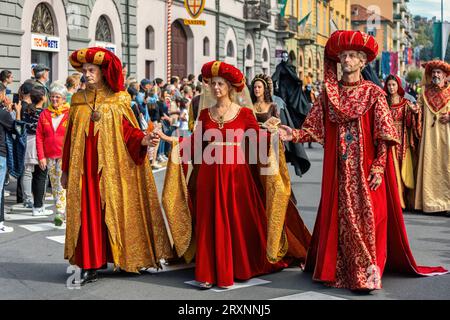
point(73, 81)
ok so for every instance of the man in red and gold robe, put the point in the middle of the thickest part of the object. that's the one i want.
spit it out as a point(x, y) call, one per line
point(113, 212)
point(359, 229)
point(433, 176)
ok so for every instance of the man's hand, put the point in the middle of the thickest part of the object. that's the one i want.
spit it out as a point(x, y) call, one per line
point(445, 118)
point(286, 133)
point(414, 108)
point(151, 140)
point(43, 164)
point(375, 180)
point(64, 180)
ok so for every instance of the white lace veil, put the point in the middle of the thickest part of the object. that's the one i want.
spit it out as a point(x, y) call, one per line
point(207, 99)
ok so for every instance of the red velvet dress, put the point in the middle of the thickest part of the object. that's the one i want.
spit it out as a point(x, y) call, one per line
point(92, 251)
point(229, 210)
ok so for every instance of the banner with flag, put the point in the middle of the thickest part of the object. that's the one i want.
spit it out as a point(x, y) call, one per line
point(283, 8)
point(441, 33)
point(304, 20)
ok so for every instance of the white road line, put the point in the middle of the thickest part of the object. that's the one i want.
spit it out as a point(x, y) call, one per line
point(159, 170)
point(20, 217)
point(309, 295)
point(19, 208)
point(39, 227)
point(59, 239)
point(238, 285)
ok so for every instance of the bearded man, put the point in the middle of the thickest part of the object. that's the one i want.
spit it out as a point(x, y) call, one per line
point(433, 176)
point(113, 212)
point(359, 229)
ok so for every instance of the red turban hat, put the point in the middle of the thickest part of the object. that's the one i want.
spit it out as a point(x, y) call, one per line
point(343, 40)
point(227, 71)
point(436, 64)
point(109, 63)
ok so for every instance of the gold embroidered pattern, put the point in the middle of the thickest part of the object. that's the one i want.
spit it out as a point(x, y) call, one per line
point(136, 229)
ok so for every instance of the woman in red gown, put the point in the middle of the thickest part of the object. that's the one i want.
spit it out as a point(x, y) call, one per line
point(238, 224)
point(407, 122)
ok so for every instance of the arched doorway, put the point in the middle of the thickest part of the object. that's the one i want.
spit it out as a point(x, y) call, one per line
point(292, 58)
point(179, 50)
point(43, 24)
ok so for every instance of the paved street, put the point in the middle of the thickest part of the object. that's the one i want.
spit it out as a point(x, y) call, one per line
point(32, 264)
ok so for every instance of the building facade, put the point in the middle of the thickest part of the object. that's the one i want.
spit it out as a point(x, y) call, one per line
point(241, 32)
point(402, 35)
point(46, 31)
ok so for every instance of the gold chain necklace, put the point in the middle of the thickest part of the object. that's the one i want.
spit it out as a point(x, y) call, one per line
point(221, 118)
point(258, 106)
point(95, 115)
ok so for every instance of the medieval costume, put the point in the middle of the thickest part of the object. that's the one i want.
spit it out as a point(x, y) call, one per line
point(358, 232)
point(288, 87)
point(263, 116)
point(433, 176)
point(407, 122)
point(113, 212)
point(237, 221)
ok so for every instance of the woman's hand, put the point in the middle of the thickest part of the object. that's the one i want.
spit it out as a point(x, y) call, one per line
point(151, 140)
point(163, 136)
point(64, 180)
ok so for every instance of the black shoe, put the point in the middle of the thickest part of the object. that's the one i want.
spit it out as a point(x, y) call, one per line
point(87, 276)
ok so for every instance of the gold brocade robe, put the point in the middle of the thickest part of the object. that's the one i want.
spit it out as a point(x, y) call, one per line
point(136, 230)
point(433, 176)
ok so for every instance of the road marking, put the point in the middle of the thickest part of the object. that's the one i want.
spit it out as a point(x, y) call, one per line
point(20, 217)
point(39, 227)
point(159, 170)
point(170, 268)
point(309, 295)
point(20, 208)
point(237, 285)
point(59, 239)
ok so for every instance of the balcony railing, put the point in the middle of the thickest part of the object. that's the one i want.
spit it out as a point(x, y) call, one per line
point(286, 27)
point(288, 23)
point(307, 36)
point(257, 11)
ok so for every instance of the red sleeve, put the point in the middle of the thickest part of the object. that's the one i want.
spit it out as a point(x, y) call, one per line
point(40, 138)
point(133, 139)
point(66, 150)
point(379, 164)
point(313, 130)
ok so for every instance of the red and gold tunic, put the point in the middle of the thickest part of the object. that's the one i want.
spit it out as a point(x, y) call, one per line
point(113, 212)
point(349, 247)
point(407, 122)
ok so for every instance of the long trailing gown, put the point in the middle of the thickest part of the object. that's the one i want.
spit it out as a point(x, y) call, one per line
point(229, 211)
point(358, 232)
point(407, 123)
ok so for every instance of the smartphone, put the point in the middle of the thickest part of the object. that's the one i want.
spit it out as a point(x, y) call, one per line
point(15, 98)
